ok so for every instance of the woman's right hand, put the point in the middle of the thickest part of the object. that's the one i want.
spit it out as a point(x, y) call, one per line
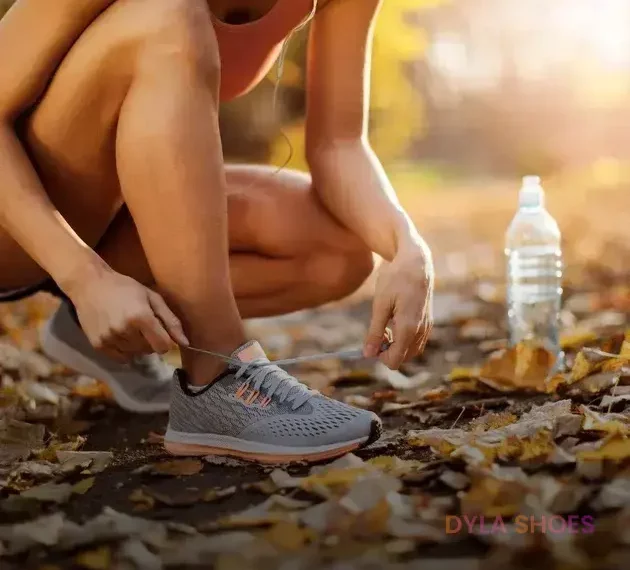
point(123, 318)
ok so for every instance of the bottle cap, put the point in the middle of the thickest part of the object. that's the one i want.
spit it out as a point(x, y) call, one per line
point(532, 194)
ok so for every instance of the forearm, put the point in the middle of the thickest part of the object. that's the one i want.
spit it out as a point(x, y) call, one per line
point(30, 218)
point(352, 184)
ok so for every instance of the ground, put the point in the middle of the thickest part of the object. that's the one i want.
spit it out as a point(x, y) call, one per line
point(489, 459)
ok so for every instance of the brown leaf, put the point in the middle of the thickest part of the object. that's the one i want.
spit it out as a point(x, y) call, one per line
point(178, 467)
point(525, 366)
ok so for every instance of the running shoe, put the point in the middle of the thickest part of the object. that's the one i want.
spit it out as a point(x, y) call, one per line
point(143, 386)
point(256, 411)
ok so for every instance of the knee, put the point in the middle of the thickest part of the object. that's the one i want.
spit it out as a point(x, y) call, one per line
point(179, 35)
point(340, 272)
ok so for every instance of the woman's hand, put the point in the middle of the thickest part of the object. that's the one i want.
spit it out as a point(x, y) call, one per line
point(404, 295)
point(123, 318)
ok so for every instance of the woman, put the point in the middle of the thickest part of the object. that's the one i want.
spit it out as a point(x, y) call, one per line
point(114, 188)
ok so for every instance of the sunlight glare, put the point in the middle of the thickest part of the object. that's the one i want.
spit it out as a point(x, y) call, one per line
point(602, 28)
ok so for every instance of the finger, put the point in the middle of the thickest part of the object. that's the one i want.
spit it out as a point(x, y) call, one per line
point(132, 343)
point(381, 314)
point(405, 331)
point(172, 324)
point(415, 349)
point(419, 344)
point(111, 351)
point(156, 335)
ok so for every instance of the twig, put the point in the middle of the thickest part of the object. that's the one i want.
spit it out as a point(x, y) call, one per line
point(460, 415)
point(612, 395)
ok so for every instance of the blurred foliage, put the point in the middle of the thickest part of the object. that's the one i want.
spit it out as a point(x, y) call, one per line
point(397, 116)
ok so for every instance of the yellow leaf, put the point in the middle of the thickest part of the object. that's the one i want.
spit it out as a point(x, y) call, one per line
point(581, 367)
point(97, 390)
point(615, 449)
point(333, 479)
point(577, 339)
point(83, 486)
point(625, 347)
point(395, 465)
point(289, 536)
point(98, 559)
point(491, 497)
point(459, 373)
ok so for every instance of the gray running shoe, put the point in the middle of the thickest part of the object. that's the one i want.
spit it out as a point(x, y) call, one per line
point(261, 413)
point(143, 386)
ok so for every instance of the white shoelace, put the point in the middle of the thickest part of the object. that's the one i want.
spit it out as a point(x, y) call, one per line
point(266, 376)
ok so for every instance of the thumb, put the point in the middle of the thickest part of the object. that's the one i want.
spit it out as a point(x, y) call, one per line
point(381, 313)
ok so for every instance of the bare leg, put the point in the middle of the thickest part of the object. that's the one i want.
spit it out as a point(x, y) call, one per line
point(286, 251)
point(169, 161)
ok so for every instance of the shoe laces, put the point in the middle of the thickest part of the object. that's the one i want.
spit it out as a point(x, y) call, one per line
point(152, 366)
point(266, 376)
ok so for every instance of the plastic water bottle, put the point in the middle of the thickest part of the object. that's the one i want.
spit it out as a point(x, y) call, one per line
point(534, 255)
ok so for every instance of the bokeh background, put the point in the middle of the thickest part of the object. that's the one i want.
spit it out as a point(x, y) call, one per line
point(467, 97)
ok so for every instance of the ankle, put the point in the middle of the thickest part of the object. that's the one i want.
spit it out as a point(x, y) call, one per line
point(202, 369)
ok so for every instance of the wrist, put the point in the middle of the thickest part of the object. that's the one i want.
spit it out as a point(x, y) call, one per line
point(85, 270)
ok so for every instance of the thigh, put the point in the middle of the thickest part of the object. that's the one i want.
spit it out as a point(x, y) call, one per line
point(279, 214)
point(70, 136)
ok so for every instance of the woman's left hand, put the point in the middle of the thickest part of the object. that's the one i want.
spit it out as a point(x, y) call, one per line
point(404, 296)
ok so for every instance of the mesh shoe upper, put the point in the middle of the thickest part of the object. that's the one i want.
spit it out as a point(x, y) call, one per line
point(268, 411)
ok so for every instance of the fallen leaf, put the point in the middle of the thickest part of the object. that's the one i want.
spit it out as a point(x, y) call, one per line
point(44, 531)
point(525, 366)
point(289, 536)
point(457, 374)
point(491, 497)
point(83, 486)
point(92, 389)
point(613, 495)
point(178, 467)
point(49, 493)
point(577, 339)
point(18, 440)
point(91, 461)
point(38, 392)
point(142, 499)
point(139, 555)
point(97, 559)
point(615, 448)
point(217, 494)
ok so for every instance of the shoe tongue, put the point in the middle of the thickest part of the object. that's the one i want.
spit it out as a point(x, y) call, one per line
point(250, 351)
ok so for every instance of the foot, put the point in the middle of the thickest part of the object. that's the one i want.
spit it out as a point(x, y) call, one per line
point(261, 413)
point(143, 386)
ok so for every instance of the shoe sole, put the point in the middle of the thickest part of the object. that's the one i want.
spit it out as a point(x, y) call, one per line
point(265, 454)
point(62, 352)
